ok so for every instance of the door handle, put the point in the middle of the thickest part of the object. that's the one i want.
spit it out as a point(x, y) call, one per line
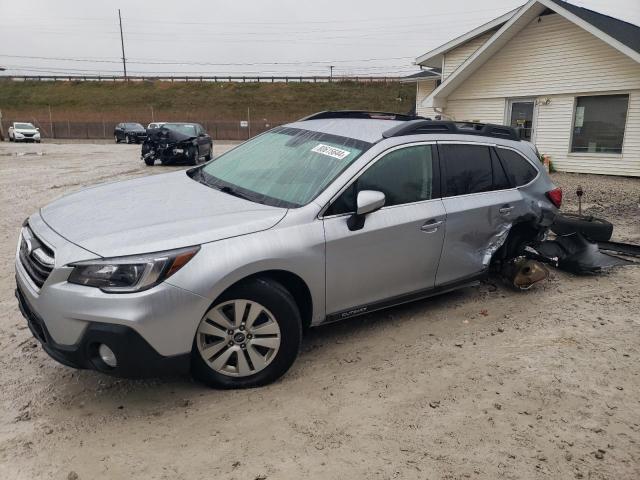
point(506, 210)
point(431, 226)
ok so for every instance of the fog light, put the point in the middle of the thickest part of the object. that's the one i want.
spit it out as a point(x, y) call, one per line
point(107, 356)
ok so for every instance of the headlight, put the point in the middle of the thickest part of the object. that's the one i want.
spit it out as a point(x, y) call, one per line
point(130, 274)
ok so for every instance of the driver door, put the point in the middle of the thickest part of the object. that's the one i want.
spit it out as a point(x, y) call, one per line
point(397, 250)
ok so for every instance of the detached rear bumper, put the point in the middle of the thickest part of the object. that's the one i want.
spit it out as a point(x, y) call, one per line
point(135, 357)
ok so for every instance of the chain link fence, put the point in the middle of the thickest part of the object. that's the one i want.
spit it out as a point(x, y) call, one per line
point(219, 130)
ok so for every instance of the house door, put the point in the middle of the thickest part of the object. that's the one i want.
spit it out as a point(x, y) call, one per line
point(520, 114)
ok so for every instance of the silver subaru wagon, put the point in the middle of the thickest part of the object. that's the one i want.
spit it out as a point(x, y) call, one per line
point(219, 269)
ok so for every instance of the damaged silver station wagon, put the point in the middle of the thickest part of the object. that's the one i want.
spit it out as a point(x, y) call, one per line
point(219, 269)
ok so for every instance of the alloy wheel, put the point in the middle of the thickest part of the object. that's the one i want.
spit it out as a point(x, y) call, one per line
point(238, 338)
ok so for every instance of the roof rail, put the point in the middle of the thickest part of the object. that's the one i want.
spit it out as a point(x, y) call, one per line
point(361, 114)
point(422, 127)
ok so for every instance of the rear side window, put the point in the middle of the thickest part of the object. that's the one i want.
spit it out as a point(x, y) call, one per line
point(404, 176)
point(467, 169)
point(518, 169)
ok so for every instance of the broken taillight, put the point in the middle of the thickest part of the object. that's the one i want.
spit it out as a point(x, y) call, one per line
point(555, 196)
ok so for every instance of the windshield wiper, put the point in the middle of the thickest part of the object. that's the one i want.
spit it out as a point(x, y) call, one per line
point(233, 191)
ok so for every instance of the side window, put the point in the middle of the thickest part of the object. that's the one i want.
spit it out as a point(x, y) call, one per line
point(467, 169)
point(404, 176)
point(519, 170)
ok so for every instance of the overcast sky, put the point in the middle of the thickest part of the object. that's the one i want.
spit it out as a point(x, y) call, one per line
point(253, 37)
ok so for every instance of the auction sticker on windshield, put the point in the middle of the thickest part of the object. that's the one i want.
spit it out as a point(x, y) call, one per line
point(330, 151)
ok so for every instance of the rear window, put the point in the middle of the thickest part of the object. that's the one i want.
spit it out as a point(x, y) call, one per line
point(518, 169)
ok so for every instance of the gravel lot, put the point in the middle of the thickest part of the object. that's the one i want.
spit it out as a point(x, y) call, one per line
point(482, 383)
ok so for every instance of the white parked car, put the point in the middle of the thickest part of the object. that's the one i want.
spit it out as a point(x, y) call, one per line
point(23, 132)
point(155, 125)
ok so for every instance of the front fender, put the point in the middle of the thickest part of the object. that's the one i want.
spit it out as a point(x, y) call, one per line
point(297, 249)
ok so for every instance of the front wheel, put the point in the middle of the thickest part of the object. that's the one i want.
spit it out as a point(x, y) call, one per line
point(193, 155)
point(115, 137)
point(127, 139)
point(250, 337)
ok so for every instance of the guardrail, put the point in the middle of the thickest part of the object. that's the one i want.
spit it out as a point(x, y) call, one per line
point(188, 78)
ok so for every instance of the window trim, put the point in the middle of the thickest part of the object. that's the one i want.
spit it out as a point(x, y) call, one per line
point(573, 122)
point(434, 155)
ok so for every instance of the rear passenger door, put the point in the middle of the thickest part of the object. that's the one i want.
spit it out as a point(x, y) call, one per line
point(480, 205)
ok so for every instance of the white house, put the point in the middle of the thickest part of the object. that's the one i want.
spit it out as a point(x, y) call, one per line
point(568, 75)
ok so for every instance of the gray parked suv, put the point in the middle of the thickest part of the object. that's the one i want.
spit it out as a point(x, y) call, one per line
point(219, 269)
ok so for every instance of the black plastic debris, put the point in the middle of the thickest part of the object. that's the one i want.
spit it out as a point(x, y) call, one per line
point(575, 254)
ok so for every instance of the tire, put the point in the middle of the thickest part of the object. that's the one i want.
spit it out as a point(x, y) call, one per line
point(194, 155)
point(209, 155)
point(593, 228)
point(10, 138)
point(150, 161)
point(116, 138)
point(278, 315)
point(127, 139)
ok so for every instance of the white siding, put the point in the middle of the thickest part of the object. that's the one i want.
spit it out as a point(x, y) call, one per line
point(486, 110)
point(455, 57)
point(556, 60)
point(553, 137)
point(552, 56)
point(424, 88)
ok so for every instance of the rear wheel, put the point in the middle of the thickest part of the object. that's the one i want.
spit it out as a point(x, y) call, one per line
point(250, 337)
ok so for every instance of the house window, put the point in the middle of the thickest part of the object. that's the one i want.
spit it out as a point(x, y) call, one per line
point(598, 123)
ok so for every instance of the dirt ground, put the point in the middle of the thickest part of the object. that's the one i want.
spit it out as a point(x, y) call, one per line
point(482, 383)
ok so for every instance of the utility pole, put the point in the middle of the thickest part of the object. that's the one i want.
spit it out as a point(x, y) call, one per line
point(331, 73)
point(124, 59)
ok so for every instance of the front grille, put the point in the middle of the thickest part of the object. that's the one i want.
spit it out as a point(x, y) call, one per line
point(36, 258)
point(28, 134)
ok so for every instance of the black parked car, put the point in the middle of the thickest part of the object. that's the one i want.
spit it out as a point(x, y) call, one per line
point(177, 142)
point(130, 133)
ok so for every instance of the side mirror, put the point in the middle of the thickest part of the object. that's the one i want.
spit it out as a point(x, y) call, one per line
point(368, 202)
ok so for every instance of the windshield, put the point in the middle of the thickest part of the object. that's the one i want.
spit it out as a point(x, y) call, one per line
point(26, 126)
point(134, 126)
point(183, 128)
point(285, 167)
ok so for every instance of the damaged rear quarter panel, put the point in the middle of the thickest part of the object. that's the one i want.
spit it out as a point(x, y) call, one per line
point(475, 230)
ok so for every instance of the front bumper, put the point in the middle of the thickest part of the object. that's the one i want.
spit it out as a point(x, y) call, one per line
point(23, 138)
point(154, 327)
point(135, 357)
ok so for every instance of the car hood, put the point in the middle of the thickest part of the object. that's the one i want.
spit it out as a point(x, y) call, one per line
point(154, 213)
point(25, 130)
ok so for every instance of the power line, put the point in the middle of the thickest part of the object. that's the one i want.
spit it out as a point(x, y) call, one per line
point(384, 20)
point(223, 64)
